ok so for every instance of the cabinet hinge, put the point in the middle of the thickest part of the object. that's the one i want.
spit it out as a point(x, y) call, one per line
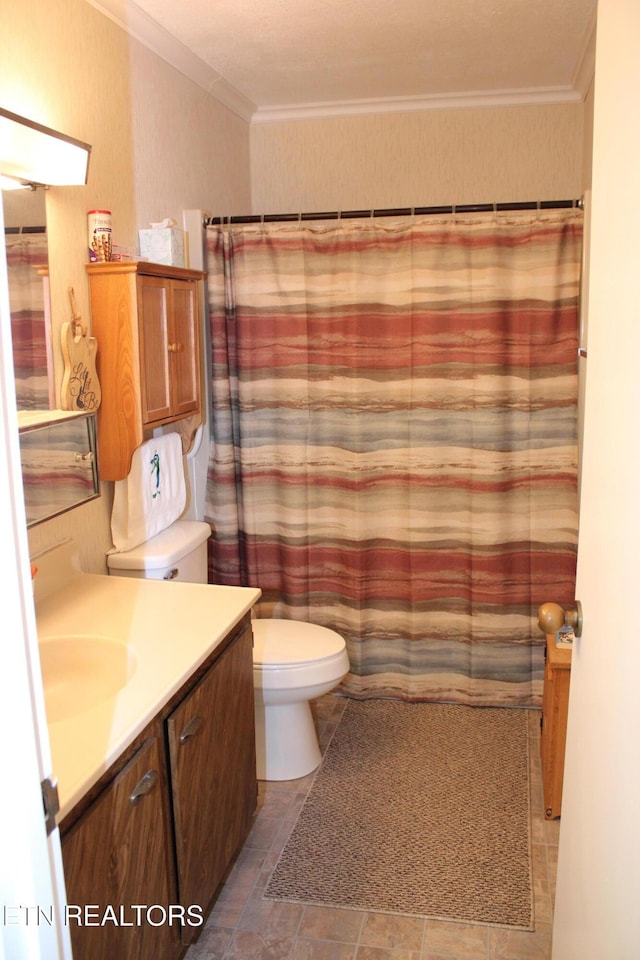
point(50, 802)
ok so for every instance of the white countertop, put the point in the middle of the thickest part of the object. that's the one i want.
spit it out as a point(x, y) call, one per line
point(170, 629)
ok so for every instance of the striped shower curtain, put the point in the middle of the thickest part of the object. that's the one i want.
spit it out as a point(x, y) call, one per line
point(394, 446)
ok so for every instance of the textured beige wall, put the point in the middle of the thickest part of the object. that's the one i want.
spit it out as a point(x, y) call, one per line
point(479, 155)
point(193, 151)
point(160, 144)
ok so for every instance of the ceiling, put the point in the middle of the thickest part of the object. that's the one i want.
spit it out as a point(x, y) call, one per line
point(276, 58)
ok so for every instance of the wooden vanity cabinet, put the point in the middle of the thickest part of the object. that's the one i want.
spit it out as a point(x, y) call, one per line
point(213, 773)
point(555, 708)
point(118, 854)
point(146, 318)
point(164, 824)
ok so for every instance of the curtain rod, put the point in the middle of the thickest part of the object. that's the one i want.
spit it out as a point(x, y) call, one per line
point(397, 212)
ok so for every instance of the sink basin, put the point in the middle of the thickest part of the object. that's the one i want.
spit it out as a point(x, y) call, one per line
point(81, 671)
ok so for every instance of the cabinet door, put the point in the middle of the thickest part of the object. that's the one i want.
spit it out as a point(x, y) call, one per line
point(213, 772)
point(117, 855)
point(184, 348)
point(154, 311)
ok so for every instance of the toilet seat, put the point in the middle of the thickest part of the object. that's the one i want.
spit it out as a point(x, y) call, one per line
point(288, 644)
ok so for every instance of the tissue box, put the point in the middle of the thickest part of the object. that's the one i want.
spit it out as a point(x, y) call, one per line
point(162, 245)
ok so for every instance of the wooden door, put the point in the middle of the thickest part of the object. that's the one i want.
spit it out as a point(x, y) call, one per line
point(154, 311)
point(117, 855)
point(213, 773)
point(184, 348)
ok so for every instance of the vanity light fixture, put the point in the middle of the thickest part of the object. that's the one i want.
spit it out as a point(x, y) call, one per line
point(32, 153)
point(8, 183)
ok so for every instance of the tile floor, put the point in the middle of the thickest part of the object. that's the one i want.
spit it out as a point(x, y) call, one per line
point(242, 926)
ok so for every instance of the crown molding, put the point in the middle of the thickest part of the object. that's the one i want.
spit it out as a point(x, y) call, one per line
point(134, 21)
point(231, 97)
point(586, 67)
point(142, 27)
point(446, 101)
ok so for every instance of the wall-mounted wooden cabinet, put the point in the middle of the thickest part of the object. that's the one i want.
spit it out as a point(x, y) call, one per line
point(147, 321)
point(555, 708)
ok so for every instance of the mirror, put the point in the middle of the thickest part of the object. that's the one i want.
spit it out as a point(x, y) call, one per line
point(59, 469)
point(57, 447)
point(28, 272)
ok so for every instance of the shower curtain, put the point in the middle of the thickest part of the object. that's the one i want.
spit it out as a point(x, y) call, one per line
point(394, 449)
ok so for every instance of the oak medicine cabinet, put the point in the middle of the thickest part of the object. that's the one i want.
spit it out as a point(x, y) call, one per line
point(146, 318)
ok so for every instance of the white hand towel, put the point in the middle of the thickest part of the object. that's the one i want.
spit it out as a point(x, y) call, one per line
point(152, 496)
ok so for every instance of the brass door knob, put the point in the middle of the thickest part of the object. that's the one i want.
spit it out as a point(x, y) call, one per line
point(551, 617)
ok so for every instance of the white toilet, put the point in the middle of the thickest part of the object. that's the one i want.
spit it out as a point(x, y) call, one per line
point(293, 662)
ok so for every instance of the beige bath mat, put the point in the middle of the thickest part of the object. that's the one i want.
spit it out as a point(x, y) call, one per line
point(419, 809)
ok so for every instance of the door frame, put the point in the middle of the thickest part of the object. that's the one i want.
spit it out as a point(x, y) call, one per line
point(598, 888)
point(32, 892)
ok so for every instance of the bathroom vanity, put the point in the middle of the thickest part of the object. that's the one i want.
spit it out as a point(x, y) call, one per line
point(151, 723)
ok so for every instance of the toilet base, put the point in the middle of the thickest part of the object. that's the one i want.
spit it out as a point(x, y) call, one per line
point(286, 741)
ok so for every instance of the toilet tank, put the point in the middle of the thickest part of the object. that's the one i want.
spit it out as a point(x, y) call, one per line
point(177, 553)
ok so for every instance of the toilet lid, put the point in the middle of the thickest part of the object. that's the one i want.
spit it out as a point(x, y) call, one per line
point(277, 643)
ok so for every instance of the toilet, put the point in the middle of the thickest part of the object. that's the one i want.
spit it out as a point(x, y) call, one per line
point(293, 662)
point(177, 553)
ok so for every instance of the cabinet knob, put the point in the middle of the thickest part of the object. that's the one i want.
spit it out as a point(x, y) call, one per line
point(191, 728)
point(144, 786)
point(551, 617)
point(175, 347)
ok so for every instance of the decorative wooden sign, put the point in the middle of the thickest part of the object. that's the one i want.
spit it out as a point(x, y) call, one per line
point(80, 385)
